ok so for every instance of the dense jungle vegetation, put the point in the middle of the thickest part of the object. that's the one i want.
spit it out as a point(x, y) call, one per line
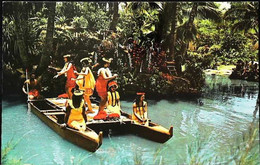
point(143, 38)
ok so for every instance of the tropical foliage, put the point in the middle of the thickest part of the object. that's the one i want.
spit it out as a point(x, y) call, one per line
point(141, 37)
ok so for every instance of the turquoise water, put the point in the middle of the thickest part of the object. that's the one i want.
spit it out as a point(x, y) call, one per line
point(219, 121)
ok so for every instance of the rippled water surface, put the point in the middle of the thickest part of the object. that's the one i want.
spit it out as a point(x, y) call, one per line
point(218, 118)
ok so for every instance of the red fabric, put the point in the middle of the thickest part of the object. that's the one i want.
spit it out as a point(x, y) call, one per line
point(101, 86)
point(34, 92)
point(64, 95)
point(102, 115)
point(112, 83)
point(71, 74)
point(140, 93)
point(114, 115)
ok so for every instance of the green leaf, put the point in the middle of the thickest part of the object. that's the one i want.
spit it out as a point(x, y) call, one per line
point(152, 28)
point(146, 13)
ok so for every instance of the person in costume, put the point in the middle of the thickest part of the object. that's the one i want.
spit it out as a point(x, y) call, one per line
point(140, 109)
point(75, 111)
point(34, 87)
point(104, 75)
point(113, 100)
point(68, 71)
point(86, 81)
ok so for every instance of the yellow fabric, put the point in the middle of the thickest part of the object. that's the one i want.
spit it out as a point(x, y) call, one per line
point(110, 108)
point(109, 97)
point(90, 80)
point(139, 112)
point(87, 81)
point(78, 125)
point(75, 115)
point(80, 81)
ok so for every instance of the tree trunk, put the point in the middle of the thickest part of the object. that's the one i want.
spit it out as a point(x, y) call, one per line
point(163, 25)
point(115, 17)
point(20, 26)
point(192, 16)
point(48, 50)
point(184, 45)
point(173, 30)
point(110, 8)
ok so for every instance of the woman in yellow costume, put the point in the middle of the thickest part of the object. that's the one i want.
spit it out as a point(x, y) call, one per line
point(140, 110)
point(86, 81)
point(113, 101)
point(75, 111)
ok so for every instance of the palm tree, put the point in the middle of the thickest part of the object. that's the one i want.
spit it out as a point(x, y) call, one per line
point(48, 50)
point(187, 32)
point(115, 16)
point(173, 30)
point(20, 33)
point(20, 29)
point(244, 15)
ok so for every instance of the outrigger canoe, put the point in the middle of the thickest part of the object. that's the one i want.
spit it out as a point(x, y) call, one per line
point(52, 112)
point(53, 116)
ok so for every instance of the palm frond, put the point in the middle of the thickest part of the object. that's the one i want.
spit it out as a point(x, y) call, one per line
point(156, 5)
point(246, 16)
point(233, 11)
point(242, 25)
point(208, 12)
point(186, 34)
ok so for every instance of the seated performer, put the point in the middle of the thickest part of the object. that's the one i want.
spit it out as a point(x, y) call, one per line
point(34, 87)
point(75, 111)
point(86, 81)
point(113, 101)
point(140, 110)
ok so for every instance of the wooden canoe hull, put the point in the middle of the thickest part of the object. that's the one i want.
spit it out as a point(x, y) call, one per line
point(90, 143)
point(154, 132)
point(114, 126)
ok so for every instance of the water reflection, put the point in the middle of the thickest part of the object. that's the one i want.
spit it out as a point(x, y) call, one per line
point(222, 88)
point(221, 115)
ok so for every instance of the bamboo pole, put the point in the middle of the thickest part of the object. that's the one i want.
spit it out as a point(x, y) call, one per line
point(27, 89)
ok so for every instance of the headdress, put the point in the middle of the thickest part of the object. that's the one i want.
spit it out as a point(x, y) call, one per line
point(140, 93)
point(67, 55)
point(78, 92)
point(112, 83)
point(86, 59)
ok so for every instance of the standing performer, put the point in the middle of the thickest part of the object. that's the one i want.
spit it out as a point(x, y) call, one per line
point(86, 81)
point(104, 75)
point(34, 87)
point(140, 109)
point(68, 70)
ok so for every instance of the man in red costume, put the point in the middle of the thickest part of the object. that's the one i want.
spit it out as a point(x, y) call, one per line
point(34, 87)
point(68, 70)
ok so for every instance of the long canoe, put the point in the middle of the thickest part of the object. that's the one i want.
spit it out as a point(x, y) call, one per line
point(53, 116)
point(125, 124)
